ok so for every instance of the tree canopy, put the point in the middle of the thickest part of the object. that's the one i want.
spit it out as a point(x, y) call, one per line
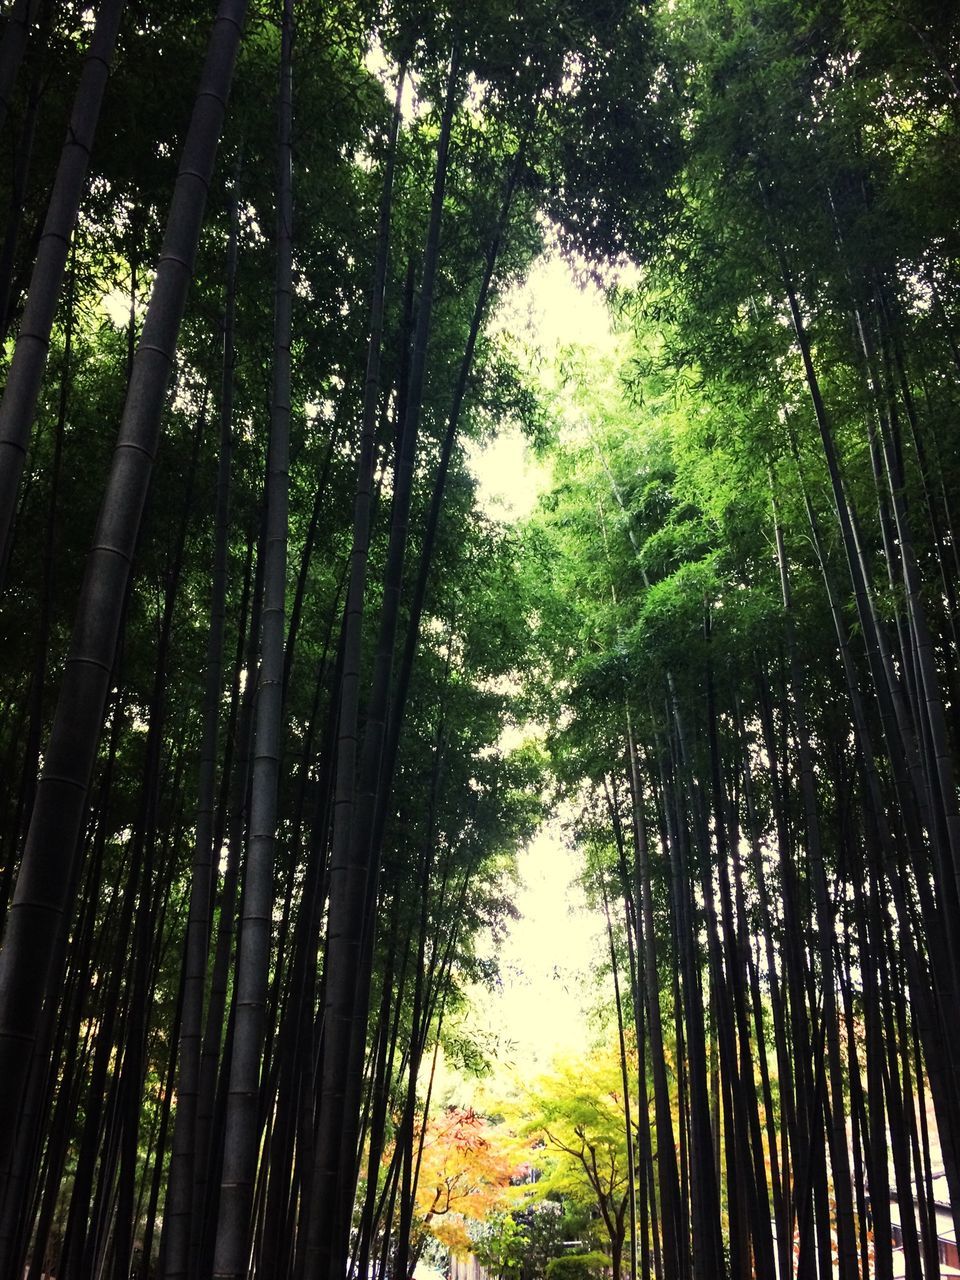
point(267, 655)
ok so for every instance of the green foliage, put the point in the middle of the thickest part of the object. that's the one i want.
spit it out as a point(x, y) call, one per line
point(577, 1266)
point(734, 152)
point(499, 1243)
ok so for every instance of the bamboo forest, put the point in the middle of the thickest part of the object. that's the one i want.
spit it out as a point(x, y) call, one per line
point(479, 639)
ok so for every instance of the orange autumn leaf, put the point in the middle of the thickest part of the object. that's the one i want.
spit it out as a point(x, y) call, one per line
point(467, 1165)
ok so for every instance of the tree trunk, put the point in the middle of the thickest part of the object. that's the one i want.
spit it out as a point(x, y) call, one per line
point(242, 1132)
point(179, 1203)
point(346, 977)
point(40, 902)
point(13, 43)
point(24, 379)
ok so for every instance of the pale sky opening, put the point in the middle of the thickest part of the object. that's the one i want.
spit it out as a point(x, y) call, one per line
point(547, 990)
point(548, 985)
point(548, 312)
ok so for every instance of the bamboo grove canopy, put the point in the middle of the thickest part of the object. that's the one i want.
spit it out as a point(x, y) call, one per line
point(260, 640)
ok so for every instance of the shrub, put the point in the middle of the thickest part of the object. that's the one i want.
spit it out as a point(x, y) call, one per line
point(577, 1266)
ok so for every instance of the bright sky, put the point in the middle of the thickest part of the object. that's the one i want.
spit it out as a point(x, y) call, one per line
point(547, 992)
point(555, 311)
point(548, 312)
point(546, 995)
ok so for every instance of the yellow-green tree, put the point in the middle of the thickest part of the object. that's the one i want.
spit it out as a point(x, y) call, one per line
point(578, 1111)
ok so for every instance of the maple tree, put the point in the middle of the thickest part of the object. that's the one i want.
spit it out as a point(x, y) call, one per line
point(466, 1171)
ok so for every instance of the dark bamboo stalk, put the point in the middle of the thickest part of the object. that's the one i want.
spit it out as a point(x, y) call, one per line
point(179, 1202)
point(13, 44)
point(27, 976)
point(243, 1121)
point(322, 1206)
point(24, 379)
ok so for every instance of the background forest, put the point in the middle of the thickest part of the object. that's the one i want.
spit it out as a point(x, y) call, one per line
point(259, 814)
